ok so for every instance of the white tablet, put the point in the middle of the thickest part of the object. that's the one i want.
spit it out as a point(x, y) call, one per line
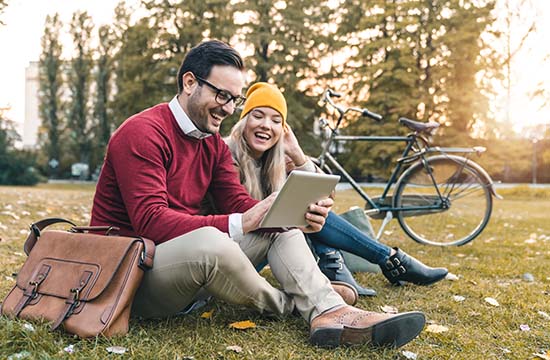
point(301, 189)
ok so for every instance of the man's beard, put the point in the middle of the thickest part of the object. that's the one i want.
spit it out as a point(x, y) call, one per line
point(198, 113)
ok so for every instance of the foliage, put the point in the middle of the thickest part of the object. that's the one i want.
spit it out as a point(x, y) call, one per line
point(79, 120)
point(287, 39)
point(103, 118)
point(50, 75)
point(493, 265)
point(429, 60)
point(16, 166)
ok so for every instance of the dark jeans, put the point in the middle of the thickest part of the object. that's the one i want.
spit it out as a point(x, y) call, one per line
point(339, 234)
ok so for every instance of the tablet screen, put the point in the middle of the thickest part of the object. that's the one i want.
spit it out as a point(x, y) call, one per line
point(301, 189)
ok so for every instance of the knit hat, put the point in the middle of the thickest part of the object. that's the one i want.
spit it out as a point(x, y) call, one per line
point(264, 94)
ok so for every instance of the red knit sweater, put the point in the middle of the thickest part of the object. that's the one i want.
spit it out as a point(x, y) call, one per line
point(154, 178)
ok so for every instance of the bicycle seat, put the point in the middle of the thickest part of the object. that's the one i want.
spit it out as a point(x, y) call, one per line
point(418, 126)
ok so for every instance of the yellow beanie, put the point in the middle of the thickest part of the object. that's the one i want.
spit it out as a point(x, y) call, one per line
point(264, 94)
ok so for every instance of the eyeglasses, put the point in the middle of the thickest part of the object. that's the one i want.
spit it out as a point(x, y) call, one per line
point(223, 96)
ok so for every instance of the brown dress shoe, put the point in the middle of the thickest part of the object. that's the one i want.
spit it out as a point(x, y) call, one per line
point(348, 325)
point(346, 291)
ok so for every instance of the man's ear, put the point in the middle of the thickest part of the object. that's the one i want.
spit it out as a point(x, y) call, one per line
point(189, 83)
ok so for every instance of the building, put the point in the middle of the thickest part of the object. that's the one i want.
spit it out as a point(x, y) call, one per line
point(32, 119)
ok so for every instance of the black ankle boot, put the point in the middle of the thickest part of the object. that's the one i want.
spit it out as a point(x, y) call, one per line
point(401, 268)
point(333, 266)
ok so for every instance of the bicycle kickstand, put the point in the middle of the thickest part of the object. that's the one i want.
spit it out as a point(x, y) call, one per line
point(387, 219)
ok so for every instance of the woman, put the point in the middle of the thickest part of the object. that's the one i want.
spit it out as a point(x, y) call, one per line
point(265, 149)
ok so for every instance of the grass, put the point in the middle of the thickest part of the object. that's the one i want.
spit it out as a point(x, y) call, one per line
point(516, 242)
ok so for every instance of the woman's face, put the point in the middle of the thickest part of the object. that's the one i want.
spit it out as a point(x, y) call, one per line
point(263, 130)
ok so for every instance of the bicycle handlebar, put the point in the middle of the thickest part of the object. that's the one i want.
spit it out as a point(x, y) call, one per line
point(329, 93)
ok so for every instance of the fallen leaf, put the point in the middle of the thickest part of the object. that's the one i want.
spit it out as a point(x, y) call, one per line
point(20, 355)
point(491, 301)
point(28, 327)
point(117, 349)
point(207, 314)
point(436, 329)
point(389, 309)
point(235, 348)
point(242, 325)
point(524, 327)
point(458, 298)
point(451, 277)
point(544, 315)
point(472, 282)
point(545, 356)
point(409, 355)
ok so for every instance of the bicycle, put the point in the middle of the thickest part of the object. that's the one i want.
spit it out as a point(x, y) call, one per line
point(440, 198)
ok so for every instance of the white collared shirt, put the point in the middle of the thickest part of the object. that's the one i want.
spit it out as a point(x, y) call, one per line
point(189, 129)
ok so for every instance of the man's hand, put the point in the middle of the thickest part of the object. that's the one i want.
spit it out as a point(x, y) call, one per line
point(317, 214)
point(252, 218)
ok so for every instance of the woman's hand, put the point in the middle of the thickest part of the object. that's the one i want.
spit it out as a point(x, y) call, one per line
point(317, 214)
point(292, 148)
point(253, 217)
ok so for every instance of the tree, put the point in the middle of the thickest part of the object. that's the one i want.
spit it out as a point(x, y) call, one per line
point(467, 102)
point(288, 40)
point(50, 77)
point(138, 80)
point(102, 112)
point(81, 27)
point(385, 73)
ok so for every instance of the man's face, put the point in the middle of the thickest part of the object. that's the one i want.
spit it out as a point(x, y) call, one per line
point(203, 109)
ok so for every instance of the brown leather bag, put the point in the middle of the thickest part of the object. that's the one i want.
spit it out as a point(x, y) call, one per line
point(81, 280)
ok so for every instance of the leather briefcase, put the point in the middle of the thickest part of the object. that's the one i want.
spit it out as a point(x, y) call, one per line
point(79, 279)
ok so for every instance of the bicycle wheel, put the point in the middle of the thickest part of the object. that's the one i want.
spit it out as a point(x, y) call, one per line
point(457, 216)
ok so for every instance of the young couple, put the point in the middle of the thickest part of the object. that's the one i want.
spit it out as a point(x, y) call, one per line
point(159, 166)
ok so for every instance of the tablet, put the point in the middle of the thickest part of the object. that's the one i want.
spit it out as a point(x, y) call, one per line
point(301, 189)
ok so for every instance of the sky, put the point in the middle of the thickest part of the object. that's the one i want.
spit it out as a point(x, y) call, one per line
point(24, 24)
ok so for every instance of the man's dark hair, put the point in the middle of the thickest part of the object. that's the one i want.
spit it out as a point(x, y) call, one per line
point(200, 59)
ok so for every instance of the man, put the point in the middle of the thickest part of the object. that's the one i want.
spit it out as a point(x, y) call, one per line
point(160, 164)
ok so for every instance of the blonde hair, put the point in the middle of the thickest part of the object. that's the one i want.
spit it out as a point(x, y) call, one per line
point(259, 179)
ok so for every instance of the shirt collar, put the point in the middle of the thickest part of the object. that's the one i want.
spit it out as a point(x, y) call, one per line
point(184, 122)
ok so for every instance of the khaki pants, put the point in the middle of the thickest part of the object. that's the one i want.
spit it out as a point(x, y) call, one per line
point(208, 260)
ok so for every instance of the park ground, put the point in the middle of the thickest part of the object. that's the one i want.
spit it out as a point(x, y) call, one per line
point(508, 263)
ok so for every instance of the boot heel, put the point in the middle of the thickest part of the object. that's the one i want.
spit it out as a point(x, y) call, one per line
point(326, 337)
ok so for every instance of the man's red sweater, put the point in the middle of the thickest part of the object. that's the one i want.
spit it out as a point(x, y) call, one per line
point(154, 178)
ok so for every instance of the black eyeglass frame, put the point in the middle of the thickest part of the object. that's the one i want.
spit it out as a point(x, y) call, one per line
point(222, 96)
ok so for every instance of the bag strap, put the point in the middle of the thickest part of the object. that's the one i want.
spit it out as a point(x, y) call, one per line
point(146, 261)
point(37, 227)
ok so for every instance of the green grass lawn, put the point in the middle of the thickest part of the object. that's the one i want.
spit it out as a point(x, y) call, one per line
point(515, 243)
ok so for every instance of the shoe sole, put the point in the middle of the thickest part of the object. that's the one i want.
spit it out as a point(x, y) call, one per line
point(394, 332)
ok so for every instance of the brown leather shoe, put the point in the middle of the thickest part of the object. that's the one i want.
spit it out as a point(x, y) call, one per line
point(346, 291)
point(348, 325)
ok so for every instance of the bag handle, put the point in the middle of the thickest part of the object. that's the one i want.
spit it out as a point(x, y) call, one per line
point(146, 261)
point(109, 230)
point(37, 227)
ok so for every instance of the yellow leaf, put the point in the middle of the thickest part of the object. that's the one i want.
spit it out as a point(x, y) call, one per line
point(242, 325)
point(543, 356)
point(207, 314)
point(436, 329)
